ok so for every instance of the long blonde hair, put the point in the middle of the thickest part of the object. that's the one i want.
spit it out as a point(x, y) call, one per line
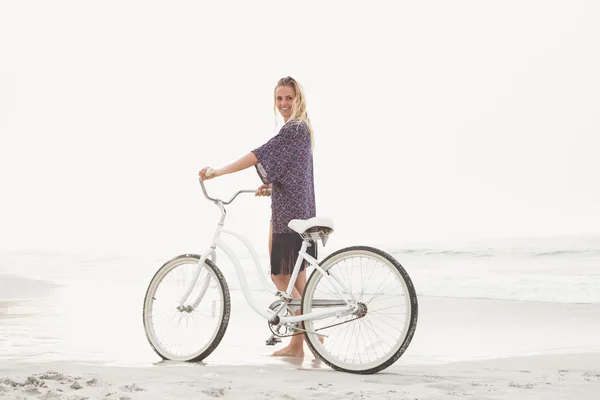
point(299, 112)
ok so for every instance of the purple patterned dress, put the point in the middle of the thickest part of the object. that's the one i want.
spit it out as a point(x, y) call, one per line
point(286, 161)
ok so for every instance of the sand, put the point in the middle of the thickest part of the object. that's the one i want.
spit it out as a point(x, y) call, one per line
point(566, 376)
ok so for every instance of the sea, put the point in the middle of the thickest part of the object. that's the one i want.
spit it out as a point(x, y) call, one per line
point(87, 306)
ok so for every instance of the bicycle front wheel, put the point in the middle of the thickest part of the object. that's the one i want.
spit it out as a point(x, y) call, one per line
point(375, 336)
point(190, 332)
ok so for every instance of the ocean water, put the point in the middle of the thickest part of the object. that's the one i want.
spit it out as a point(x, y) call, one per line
point(88, 306)
point(554, 269)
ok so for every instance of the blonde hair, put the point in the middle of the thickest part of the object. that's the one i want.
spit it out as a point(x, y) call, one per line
point(299, 112)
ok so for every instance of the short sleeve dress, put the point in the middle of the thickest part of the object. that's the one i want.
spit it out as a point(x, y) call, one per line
point(286, 161)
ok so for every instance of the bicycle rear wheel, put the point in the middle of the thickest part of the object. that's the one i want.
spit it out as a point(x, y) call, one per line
point(379, 333)
point(186, 333)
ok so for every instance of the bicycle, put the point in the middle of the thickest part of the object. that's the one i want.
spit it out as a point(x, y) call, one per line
point(335, 317)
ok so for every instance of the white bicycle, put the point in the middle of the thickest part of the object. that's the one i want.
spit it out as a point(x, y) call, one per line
point(359, 307)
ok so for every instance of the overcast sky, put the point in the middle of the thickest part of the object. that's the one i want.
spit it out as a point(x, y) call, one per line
point(434, 120)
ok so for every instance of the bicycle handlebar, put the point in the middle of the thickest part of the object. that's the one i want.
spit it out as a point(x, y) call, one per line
point(219, 200)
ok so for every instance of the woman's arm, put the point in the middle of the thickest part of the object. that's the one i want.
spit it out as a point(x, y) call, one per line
point(247, 161)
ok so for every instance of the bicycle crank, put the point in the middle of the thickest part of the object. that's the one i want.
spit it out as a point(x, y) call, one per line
point(293, 330)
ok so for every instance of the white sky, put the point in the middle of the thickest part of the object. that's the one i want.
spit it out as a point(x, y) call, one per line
point(434, 120)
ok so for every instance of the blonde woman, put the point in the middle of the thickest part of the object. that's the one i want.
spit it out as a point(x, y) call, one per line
point(285, 166)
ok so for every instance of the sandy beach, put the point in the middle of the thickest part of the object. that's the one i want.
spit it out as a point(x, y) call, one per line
point(566, 376)
point(53, 348)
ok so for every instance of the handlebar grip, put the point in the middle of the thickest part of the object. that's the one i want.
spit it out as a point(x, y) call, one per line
point(209, 172)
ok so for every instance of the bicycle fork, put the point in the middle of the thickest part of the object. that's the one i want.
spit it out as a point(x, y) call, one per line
point(199, 268)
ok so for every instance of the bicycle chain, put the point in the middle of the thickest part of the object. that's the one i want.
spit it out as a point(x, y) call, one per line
point(325, 327)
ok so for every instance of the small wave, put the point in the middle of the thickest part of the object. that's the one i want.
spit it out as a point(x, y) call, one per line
point(566, 252)
point(493, 253)
point(446, 252)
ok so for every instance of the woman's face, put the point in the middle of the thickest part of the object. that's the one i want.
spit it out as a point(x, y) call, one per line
point(284, 98)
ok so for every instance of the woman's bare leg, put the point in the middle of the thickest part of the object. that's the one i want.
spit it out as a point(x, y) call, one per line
point(296, 346)
point(281, 283)
point(299, 286)
point(270, 237)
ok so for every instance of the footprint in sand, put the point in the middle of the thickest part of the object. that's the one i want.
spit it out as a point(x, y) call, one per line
point(214, 392)
point(131, 388)
point(51, 395)
point(588, 376)
point(520, 386)
point(92, 382)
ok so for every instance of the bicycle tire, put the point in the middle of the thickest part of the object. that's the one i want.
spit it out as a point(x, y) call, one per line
point(149, 297)
point(408, 288)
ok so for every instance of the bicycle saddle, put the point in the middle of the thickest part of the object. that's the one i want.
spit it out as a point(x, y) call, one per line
point(314, 228)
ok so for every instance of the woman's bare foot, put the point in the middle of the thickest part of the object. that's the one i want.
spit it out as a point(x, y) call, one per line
point(289, 351)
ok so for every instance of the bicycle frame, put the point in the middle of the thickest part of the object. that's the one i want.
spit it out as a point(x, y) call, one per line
point(267, 313)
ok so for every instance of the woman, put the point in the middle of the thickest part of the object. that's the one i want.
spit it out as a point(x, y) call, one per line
point(285, 166)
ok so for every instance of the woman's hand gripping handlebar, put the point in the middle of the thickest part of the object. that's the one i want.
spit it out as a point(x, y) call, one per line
point(209, 173)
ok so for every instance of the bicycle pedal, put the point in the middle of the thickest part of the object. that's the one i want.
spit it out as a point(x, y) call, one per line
point(272, 341)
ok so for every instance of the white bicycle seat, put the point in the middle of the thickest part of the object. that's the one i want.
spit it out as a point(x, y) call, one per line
point(303, 225)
